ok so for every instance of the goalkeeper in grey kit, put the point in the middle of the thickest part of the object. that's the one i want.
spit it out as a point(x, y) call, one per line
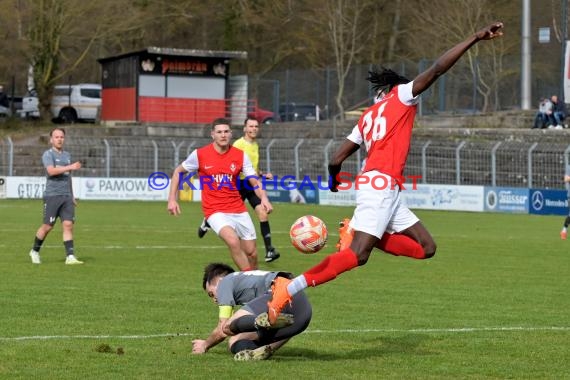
point(250, 336)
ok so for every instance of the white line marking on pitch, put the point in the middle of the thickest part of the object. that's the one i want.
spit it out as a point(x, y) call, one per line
point(339, 331)
point(447, 330)
point(138, 246)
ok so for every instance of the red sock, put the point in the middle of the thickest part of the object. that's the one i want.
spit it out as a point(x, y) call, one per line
point(331, 266)
point(401, 245)
point(248, 269)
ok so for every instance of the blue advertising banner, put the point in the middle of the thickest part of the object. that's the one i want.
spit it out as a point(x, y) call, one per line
point(548, 202)
point(507, 199)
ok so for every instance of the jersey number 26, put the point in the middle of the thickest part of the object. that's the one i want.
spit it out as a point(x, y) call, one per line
point(377, 125)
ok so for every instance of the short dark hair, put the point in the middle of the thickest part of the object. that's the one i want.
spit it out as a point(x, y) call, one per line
point(384, 79)
point(248, 119)
point(214, 270)
point(219, 121)
point(56, 129)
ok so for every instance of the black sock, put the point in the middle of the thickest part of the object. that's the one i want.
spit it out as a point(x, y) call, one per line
point(243, 344)
point(567, 222)
point(243, 324)
point(68, 247)
point(266, 233)
point(37, 244)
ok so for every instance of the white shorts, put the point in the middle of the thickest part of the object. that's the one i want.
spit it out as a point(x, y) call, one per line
point(379, 207)
point(241, 223)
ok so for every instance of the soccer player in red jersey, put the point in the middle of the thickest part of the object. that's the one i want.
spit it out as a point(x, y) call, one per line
point(380, 219)
point(218, 166)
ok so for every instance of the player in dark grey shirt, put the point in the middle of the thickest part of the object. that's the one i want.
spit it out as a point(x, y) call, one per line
point(564, 232)
point(248, 328)
point(58, 197)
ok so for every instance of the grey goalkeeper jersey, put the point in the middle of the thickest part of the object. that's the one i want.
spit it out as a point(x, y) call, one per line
point(57, 184)
point(239, 288)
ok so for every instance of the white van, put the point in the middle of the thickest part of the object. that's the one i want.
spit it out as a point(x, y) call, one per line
point(70, 103)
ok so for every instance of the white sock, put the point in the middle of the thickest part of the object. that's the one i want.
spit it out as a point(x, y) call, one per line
point(299, 283)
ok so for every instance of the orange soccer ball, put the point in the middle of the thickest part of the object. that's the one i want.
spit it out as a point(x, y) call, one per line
point(308, 234)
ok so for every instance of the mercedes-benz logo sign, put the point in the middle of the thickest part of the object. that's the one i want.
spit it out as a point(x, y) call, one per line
point(491, 199)
point(537, 200)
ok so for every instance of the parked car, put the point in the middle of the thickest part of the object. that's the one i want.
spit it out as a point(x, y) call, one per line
point(69, 104)
point(299, 112)
point(261, 115)
point(30, 106)
point(6, 104)
point(5, 112)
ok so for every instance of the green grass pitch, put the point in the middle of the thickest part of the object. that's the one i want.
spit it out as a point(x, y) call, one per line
point(493, 303)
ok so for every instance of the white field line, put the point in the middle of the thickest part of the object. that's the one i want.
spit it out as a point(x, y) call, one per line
point(134, 246)
point(141, 228)
point(337, 331)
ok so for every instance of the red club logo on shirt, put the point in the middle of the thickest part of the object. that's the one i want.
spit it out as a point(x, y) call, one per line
point(233, 167)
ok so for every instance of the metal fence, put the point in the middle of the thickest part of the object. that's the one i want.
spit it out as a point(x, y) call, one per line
point(488, 163)
point(457, 91)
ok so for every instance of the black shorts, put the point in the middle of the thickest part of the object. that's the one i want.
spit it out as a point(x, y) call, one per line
point(246, 192)
point(58, 206)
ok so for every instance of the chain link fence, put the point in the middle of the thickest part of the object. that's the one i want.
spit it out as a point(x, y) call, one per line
point(460, 90)
point(485, 163)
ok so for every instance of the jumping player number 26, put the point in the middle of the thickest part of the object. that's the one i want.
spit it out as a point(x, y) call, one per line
point(378, 126)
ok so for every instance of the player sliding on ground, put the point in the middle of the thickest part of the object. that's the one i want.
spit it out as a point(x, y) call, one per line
point(380, 219)
point(250, 337)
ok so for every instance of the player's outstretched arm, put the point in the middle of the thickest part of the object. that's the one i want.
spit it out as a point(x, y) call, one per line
point(448, 59)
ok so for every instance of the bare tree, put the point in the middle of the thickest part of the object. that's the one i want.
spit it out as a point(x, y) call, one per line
point(61, 33)
point(439, 24)
point(395, 30)
point(13, 39)
point(340, 21)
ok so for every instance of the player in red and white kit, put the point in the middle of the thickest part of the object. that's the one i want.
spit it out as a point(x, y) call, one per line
point(380, 219)
point(218, 166)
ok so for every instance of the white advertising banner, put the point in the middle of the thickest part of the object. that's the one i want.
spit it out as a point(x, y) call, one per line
point(445, 197)
point(89, 188)
point(25, 187)
point(340, 198)
point(120, 189)
point(431, 197)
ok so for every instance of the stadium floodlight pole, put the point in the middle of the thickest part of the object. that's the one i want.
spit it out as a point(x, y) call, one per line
point(10, 156)
point(526, 57)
